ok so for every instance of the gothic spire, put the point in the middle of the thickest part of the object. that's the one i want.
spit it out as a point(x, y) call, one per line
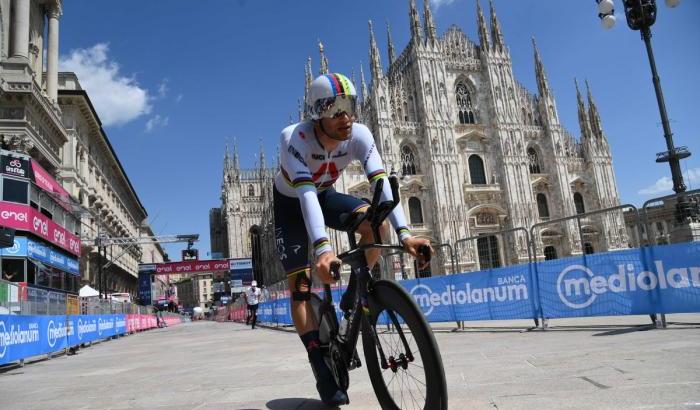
point(496, 35)
point(262, 155)
point(308, 77)
point(236, 164)
point(430, 30)
point(307, 71)
point(324, 61)
point(375, 62)
point(364, 84)
point(582, 115)
point(542, 83)
point(483, 33)
point(300, 107)
point(415, 22)
point(593, 115)
point(353, 77)
point(392, 51)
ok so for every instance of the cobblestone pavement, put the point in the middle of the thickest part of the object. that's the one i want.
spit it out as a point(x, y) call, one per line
point(594, 363)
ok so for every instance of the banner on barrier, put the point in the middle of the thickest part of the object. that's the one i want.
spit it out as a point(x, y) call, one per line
point(24, 336)
point(657, 279)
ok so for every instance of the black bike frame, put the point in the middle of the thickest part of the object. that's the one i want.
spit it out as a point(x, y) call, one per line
point(361, 281)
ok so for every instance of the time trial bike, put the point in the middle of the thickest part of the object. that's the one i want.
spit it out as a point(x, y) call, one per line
point(402, 357)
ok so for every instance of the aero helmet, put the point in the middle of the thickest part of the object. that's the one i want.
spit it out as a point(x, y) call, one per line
point(330, 95)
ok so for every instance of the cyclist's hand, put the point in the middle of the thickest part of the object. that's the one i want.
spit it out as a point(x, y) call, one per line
point(323, 266)
point(412, 246)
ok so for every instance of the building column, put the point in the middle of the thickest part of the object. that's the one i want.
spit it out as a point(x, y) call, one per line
point(20, 29)
point(52, 63)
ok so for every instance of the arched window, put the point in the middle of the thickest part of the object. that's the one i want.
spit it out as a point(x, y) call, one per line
point(476, 170)
point(251, 190)
point(408, 161)
point(542, 207)
point(415, 210)
point(534, 161)
point(588, 248)
point(487, 246)
point(578, 204)
point(550, 252)
point(464, 105)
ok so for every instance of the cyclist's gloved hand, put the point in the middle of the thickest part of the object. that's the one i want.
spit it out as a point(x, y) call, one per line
point(412, 245)
point(323, 266)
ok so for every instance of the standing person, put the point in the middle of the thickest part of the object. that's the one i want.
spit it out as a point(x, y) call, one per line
point(252, 296)
point(313, 153)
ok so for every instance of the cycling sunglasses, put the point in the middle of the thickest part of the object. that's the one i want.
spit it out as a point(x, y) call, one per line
point(334, 107)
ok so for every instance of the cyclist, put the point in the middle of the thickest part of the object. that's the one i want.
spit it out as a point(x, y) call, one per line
point(313, 153)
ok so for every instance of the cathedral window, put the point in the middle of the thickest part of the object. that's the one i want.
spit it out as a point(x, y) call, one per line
point(534, 161)
point(578, 204)
point(476, 170)
point(408, 161)
point(487, 246)
point(464, 105)
point(542, 207)
point(415, 210)
point(251, 190)
point(550, 252)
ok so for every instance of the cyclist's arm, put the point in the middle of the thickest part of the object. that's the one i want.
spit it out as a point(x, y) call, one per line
point(299, 177)
point(367, 153)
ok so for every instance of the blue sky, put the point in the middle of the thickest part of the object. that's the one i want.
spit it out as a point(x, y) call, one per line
point(173, 83)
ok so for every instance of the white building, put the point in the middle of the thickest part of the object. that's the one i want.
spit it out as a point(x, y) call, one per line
point(476, 152)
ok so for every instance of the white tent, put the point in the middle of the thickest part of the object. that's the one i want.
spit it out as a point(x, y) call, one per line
point(86, 292)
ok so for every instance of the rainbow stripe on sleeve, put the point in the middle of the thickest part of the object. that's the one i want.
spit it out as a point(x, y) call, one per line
point(301, 181)
point(378, 174)
point(321, 243)
point(403, 231)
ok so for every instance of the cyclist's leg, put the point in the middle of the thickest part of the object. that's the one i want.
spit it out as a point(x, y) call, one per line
point(292, 247)
point(334, 204)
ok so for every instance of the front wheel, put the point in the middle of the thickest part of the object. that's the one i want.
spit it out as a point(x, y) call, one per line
point(410, 375)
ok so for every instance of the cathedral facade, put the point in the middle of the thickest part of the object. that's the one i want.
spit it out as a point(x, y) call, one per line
point(475, 153)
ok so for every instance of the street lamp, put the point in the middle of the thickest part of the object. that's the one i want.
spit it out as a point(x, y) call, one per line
point(641, 15)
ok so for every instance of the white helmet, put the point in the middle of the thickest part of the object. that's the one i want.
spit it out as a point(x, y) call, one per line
point(330, 95)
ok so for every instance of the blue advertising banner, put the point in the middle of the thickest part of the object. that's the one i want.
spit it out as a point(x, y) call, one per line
point(26, 247)
point(657, 279)
point(145, 287)
point(23, 336)
point(504, 293)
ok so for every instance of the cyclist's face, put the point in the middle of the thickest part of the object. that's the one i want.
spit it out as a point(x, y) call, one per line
point(338, 127)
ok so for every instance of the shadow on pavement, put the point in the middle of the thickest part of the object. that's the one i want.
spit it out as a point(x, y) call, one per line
point(297, 404)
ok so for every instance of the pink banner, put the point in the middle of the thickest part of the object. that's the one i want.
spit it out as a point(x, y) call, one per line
point(45, 181)
point(137, 322)
point(26, 218)
point(193, 266)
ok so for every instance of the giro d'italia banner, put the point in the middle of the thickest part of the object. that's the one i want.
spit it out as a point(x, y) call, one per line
point(23, 336)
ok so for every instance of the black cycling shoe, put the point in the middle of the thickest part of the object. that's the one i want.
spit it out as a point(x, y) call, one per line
point(331, 395)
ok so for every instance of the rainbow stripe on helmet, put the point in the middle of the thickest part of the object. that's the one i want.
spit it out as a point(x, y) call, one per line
point(340, 84)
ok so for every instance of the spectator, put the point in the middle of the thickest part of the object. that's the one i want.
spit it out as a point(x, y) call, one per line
point(252, 297)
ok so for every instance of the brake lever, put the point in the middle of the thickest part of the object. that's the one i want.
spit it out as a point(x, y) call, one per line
point(335, 270)
point(424, 251)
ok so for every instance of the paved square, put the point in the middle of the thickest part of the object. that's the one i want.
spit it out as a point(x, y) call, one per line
point(594, 363)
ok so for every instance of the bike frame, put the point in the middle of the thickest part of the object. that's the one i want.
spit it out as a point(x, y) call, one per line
point(361, 282)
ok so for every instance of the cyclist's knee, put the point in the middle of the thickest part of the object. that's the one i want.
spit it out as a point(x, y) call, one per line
point(300, 287)
point(365, 229)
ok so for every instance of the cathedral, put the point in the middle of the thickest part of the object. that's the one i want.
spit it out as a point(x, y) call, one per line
point(475, 152)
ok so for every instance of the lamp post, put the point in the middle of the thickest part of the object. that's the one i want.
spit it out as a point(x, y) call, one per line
point(641, 15)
